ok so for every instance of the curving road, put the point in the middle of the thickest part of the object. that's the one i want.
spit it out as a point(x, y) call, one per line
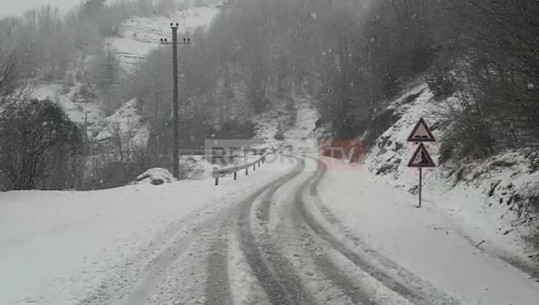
point(276, 247)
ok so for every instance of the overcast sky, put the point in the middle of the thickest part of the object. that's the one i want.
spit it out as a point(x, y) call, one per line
point(17, 7)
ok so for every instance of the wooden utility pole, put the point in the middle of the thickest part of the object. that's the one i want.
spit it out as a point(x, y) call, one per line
point(175, 103)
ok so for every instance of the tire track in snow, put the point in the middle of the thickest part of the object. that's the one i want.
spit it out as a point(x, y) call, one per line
point(408, 285)
point(273, 272)
point(217, 283)
point(324, 264)
point(218, 290)
point(337, 276)
point(207, 233)
point(294, 291)
point(135, 280)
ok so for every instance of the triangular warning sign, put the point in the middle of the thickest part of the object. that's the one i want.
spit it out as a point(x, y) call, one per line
point(421, 158)
point(421, 133)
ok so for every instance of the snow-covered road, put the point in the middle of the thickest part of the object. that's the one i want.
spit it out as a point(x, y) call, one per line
point(60, 247)
point(293, 233)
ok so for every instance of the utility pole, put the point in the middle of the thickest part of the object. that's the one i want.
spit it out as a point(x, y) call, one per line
point(175, 106)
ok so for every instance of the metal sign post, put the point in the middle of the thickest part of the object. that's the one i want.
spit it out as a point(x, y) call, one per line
point(420, 185)
point(421, 157)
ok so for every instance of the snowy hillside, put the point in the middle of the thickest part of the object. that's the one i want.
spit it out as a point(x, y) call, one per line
point(140, 35)
point(64, 94)
point(488, 201)
point(126, 122)
point(297, 126)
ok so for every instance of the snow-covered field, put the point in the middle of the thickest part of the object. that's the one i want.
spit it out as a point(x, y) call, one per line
point(57, 247)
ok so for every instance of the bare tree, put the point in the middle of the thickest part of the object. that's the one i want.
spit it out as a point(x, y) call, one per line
point(14, 89)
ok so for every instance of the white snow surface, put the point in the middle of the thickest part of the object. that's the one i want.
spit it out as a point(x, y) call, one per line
point(199, 167)
point(57, 247)
point(424, 241)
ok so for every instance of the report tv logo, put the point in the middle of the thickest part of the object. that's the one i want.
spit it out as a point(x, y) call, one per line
point(340, 154)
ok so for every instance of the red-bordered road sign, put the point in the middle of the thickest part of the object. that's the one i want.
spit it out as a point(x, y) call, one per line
point(421, 158)
point(421, 133)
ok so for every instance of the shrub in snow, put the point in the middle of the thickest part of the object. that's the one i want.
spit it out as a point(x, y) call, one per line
point(379, 125)
point(237, 129)
point(442, 84)
point(155, 176)
point(85, 93)
point(41, 147)
point(115, 174)
point(470, 136)
point(279, 134)
point(292, 111)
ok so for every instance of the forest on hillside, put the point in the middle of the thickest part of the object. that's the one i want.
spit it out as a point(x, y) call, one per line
point(349, 56)
point(49, 151)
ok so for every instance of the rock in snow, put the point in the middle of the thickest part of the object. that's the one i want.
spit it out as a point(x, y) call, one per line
point(155, 176)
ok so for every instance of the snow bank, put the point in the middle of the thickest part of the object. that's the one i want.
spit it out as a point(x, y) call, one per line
point(478, 197)
point(197, 167)
point(423, 241)
point(155, 176)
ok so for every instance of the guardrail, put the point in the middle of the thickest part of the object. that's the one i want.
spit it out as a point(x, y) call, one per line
point(219, 172)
